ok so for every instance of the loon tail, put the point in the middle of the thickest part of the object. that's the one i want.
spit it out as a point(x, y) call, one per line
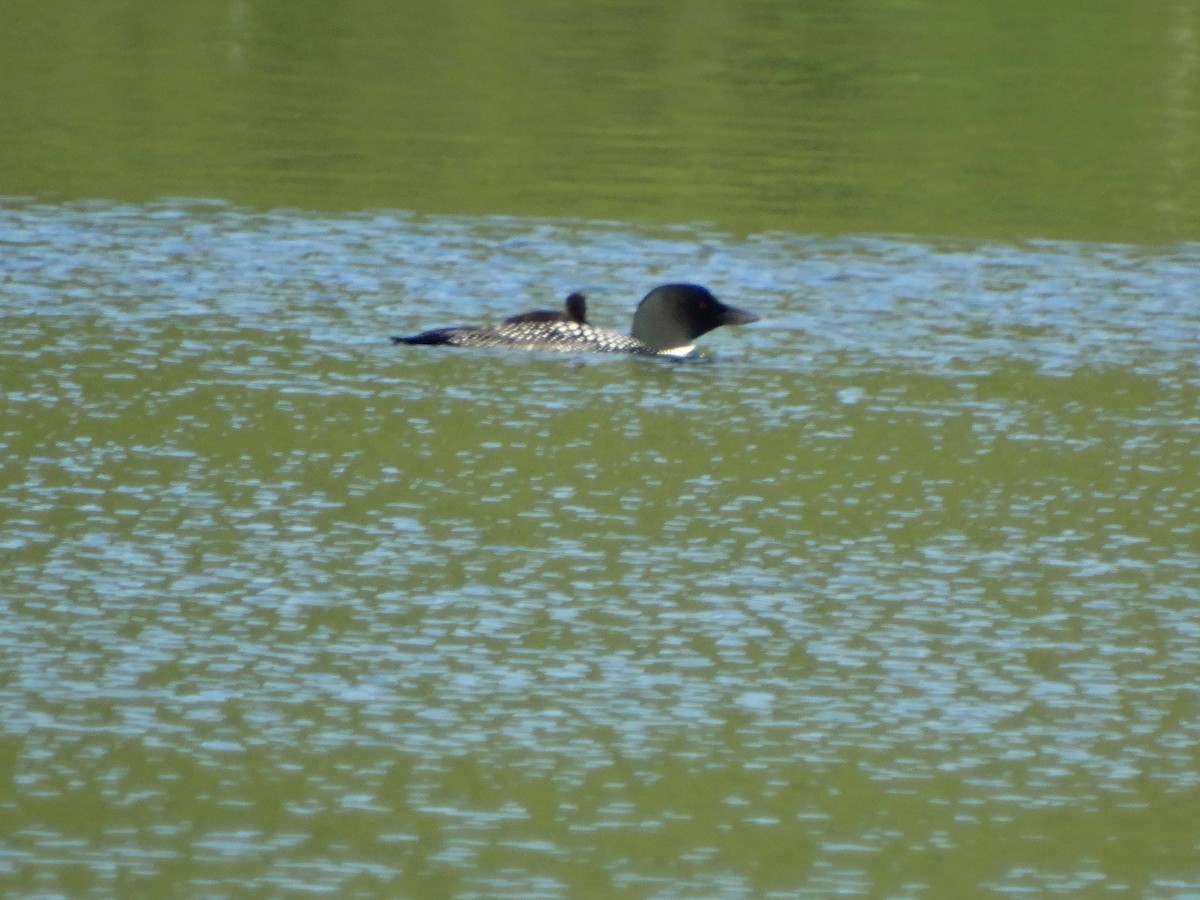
point(436, 336)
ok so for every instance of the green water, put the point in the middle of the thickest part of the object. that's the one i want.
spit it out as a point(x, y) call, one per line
point(894, 593)
point(1016, 119)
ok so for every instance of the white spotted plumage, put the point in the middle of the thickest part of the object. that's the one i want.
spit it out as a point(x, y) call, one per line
point(561, 336)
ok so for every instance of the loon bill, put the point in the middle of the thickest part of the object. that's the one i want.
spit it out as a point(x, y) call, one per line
point(666, 323)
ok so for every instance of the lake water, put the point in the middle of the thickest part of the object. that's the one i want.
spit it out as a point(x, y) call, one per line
point(894, 593)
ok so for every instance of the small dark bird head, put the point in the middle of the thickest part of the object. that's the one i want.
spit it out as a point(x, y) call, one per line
point(576, 308)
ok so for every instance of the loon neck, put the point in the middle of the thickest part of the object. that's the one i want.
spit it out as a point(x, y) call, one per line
point(678, 352)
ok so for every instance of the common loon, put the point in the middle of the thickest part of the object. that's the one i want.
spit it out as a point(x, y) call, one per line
point(666, 323)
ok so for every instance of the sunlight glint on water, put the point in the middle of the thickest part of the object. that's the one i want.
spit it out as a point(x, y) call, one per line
point(910, 562)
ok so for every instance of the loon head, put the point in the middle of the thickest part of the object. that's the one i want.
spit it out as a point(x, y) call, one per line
point(672, 316)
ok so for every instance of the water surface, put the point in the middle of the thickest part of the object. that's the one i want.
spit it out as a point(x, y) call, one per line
point(978, 119)
point(891, 594)
point(894, 593)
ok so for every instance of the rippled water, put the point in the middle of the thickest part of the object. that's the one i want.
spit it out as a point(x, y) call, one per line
point(894, 593)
